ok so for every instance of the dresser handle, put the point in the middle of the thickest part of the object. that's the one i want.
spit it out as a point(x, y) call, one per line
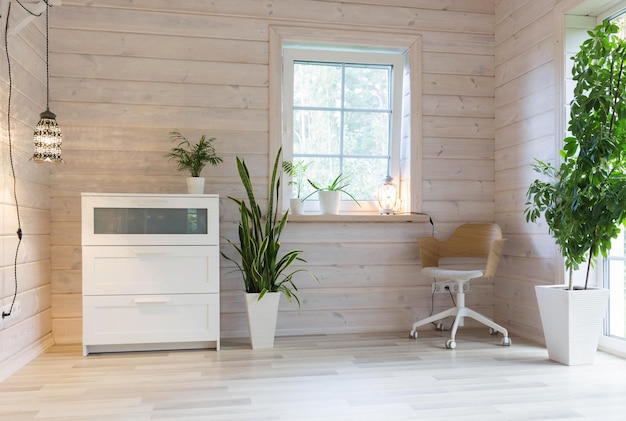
point(150, 252)
point(148, 203)
point(151, 300)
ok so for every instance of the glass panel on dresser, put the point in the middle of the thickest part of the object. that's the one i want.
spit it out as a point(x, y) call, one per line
point(150, 221)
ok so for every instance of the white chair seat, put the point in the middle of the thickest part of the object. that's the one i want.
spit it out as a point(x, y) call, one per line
point(452, 274)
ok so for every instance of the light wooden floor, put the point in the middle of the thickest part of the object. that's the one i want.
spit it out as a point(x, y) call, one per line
point(334, 377)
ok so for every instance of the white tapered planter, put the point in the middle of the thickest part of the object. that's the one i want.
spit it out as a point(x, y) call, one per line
point(572, 322)
point(262, 316)
point(195, 185)
point(329, 201)
point(296, 206)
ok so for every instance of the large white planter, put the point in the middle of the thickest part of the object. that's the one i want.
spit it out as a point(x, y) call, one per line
point(329, 201)
point(195, 185)
point(262, 315)
point(572, 322)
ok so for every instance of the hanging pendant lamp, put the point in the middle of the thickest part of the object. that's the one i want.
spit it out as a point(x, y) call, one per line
point(47, 136)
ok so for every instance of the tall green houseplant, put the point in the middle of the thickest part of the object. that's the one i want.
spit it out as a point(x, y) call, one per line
point(263, 265)
point(583, 201)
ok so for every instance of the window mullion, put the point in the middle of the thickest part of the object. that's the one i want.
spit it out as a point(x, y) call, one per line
point(342, 117)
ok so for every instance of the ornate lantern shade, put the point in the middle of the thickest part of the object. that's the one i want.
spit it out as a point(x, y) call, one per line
point(387, 197)
point(47, 139)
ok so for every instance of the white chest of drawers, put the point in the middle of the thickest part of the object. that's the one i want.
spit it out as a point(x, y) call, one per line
point(150, 272)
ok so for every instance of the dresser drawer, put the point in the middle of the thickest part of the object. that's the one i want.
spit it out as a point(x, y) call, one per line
point(113, 270)
point(150, 319)
point(147, 219)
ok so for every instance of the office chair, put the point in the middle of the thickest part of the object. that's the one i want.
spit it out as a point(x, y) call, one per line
point(478, 240)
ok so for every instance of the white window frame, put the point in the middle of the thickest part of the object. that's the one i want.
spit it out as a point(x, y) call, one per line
point(615, 345)
point(395, 59)
point(407, 44)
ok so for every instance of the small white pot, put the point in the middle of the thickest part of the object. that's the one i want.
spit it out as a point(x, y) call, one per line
point(572, 322)
point(195, 185)
point(262, 316)
point(296, 206)
point(329, 202)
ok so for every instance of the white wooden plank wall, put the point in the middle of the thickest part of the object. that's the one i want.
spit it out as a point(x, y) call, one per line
point(524, 130)
point(125, 73)
point(22, 337)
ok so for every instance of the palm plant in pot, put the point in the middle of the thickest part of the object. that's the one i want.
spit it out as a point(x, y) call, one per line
point(582, 201)
point(193, 158)
point(297, 172)
point(265, 268)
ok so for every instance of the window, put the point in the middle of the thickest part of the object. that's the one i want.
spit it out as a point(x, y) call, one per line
point(342, 116)
point(610, 272)
point(613, 268)
point(351, 109)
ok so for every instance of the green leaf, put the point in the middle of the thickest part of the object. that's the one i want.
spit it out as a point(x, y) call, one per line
point(260, 262)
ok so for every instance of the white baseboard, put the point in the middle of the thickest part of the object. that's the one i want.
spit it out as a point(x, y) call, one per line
point(20, 359)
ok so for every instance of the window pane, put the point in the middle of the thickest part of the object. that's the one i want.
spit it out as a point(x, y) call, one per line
point(316, 132)
point(367, 88)
point(342, 121)
point(322, 172)
point(365, 176)
point(366, 133)
point(317, 85)
point(615, 267)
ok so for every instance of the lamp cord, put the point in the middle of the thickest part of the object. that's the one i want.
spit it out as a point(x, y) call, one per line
point(17, 207)
point(47, 61)
point(48, 6)
point(29, 11)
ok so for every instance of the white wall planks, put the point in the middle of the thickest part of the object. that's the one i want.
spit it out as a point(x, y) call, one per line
point(140, 69)
point(30, 330)
point(525, 129)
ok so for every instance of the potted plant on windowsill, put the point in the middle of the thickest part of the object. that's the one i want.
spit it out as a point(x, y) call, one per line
point(265, 268)
point(297, 172)
point(582, 201)
point(330, 195)
point(193, 158)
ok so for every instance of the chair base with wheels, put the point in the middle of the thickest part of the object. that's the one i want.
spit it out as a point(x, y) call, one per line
point(469, 240)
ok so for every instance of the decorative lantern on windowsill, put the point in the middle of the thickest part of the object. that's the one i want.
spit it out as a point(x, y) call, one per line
point(387, 197)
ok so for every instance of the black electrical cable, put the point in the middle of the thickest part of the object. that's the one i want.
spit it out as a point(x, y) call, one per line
point(432, 301)
point(430, 219)
point(17, 208)
point(451, 296)
point(30, 12)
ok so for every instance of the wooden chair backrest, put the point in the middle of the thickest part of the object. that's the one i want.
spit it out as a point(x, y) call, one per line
point(477, 240)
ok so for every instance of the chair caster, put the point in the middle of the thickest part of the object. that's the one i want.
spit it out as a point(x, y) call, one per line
point(450, 344)
point(506, 341)
point(492, 331)
point(440, 326)
point(413, 334)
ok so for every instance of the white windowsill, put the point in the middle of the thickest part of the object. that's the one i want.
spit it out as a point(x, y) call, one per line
point(362, 217)
point(615, 346)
